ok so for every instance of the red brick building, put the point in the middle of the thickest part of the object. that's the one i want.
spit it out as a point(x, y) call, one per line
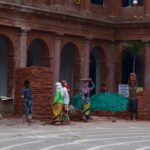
point(73, 39)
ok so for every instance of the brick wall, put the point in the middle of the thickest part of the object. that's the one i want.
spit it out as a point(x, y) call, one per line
point(143, 108)
point(41, 83)
point(121, 115)
point(144, 105)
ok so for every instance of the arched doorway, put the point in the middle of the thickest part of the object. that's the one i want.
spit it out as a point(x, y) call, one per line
point(70, 66)
point(37, 54)
point(127, 67)
point(4, 66)
point(97, 69)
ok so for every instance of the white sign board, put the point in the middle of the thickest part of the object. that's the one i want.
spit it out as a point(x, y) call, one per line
point(124, 90)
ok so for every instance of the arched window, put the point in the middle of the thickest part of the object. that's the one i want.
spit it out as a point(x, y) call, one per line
point(127, 3)
point(6, 66)
point(140, 2)
point(97, 2)
point(127, 67)
point(37, 53)
point(97, 66)
point(70, 66)
point(127, 63)
point(3, 67)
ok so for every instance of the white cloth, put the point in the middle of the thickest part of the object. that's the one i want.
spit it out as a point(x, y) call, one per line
point(59, 86)
point(66, 96)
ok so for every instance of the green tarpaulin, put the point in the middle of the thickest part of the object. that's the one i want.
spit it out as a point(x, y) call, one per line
point(104, 101)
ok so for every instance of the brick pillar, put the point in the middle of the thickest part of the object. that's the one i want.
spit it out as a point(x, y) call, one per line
point(111, 67)
point(117, 64)
point(56, 56)
point(86, 58)
point(23, 48)
point(52, 2)
point(147, 65)
point(58, 2)
point(12, 75)
point(85, 5)
point(67, 3)
point(147, 7)
point(113, 7)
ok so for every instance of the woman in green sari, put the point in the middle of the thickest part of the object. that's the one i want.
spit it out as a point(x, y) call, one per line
point(58, 104)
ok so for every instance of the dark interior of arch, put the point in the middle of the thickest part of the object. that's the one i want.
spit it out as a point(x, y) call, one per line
point(127, 67)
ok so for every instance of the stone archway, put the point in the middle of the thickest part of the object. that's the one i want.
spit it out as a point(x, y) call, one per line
point(70, 66)
point(127, 67)
point(127, 63)
point(97, 67)
point(37, 54)
point(6, 66)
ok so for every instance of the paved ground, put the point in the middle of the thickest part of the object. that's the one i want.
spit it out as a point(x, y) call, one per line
point(98, 134)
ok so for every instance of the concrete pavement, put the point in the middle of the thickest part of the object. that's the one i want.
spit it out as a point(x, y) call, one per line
point(98, 134)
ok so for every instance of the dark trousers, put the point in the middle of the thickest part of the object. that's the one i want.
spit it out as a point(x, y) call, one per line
point(132, 107)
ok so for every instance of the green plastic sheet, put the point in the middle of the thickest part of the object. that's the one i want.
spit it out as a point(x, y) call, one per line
point(105, 101)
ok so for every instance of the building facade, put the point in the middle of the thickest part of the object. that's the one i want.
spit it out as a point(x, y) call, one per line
point(74, 39)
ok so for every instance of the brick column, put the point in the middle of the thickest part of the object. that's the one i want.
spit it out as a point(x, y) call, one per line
point(85, 5)
point(68, 4)
point(113, 7)
point(23, 48)
point(147, 65)
point(57, 2)
point(147, 7)
point(56, 56)
point(111, 67)
point(86, 59)
point(51, 2)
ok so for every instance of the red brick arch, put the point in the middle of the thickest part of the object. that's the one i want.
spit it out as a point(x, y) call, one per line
point(10, 44)
point(11, 64)
point(74, 46)
point(102, 52)
point(103, 63)
point(139, 69)
point(122, 52)
point(77, 42)
point(76, 64)
point(45, 50)
point(47, 39)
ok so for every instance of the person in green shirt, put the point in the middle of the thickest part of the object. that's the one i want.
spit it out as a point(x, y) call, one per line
point(58, 104)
